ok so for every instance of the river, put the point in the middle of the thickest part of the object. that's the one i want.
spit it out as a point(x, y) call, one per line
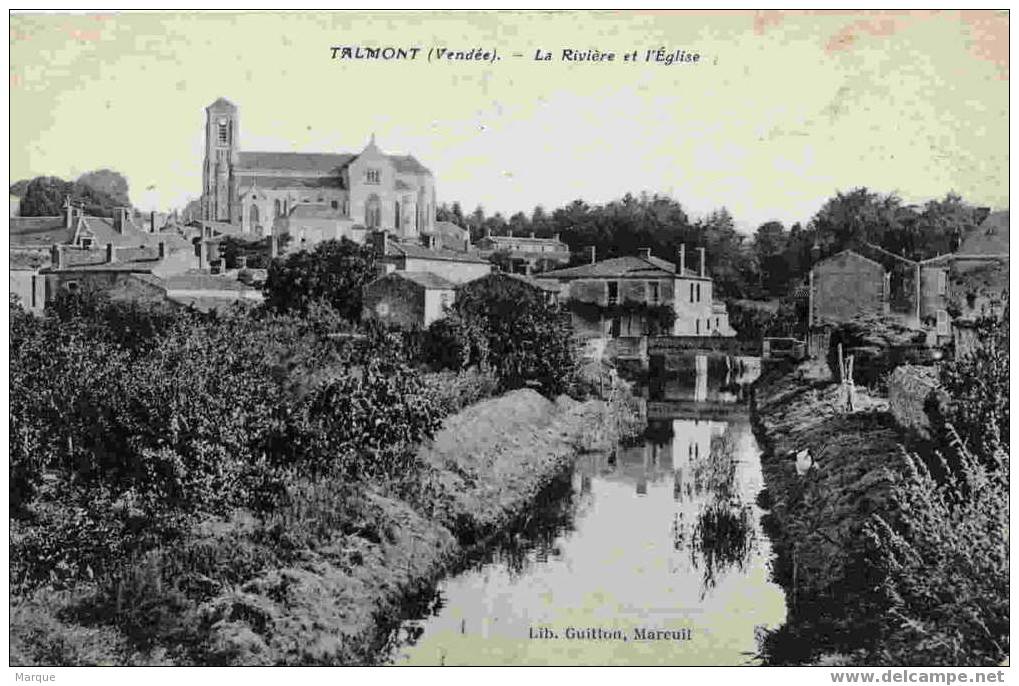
point(652, 554)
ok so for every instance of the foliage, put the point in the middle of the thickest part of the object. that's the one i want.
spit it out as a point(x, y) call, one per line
point(977, 388)
point(659, 318)
point(509, 325)
point(334, 272)
point(753, 323)
point(945, 567)
point(116, 449)
point(109, 183)
point(258, 251)
point(45, 196)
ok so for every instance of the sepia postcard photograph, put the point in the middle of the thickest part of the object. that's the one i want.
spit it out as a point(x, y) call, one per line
point(509, 338)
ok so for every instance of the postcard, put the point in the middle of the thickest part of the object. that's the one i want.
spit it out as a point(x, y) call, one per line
point(509, 338)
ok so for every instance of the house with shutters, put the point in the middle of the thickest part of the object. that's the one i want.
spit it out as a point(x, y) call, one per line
point(637, 295)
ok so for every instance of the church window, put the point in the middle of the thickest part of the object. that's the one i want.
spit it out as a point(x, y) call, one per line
point(253, 215)
point(224, 132)
point(278, 207)
point(374, 176)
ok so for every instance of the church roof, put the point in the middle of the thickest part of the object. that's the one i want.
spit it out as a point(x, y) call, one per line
point(275, 182)
point(317, 162)
point(221, 103)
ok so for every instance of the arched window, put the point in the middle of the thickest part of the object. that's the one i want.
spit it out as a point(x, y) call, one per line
point(279, 207)
point(373, 212)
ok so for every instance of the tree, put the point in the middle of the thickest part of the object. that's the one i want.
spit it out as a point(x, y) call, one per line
point(527, 340)
point(335, 273)
point(45, 196)
point(109, 182)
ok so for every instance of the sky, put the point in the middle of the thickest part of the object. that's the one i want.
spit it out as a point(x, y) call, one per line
point(781, 110)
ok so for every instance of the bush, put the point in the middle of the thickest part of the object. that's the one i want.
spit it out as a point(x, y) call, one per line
point(504, 323)
point(945, 565)
point(977, 387)
point(334, 272)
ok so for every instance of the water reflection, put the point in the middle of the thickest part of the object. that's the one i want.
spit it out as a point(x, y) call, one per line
point(663, 534)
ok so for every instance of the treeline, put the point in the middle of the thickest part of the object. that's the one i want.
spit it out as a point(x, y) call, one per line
point(99, 192)
point(769, 263)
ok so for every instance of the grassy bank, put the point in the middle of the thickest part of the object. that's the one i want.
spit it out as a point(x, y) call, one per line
point(324, 580)
point(866, 540)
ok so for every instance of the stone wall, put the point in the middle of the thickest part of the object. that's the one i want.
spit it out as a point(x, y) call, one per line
point(908, 389)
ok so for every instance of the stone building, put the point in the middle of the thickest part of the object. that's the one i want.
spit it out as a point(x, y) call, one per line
point(411, 256)
point(618, 297)
point(408, 299)
point(526, 254)
point(252, 190)
point(927, 295)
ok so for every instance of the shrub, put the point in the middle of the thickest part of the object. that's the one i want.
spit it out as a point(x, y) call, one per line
point(945, 565)
point(878, 344)
point(977, 388)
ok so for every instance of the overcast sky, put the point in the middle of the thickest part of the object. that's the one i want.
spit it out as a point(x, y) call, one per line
point(781, 110)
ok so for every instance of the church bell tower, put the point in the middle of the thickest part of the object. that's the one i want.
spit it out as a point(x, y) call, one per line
point(219, 202)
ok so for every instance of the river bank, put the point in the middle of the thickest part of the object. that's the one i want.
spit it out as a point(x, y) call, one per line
point(335, 601)
point(862, 534)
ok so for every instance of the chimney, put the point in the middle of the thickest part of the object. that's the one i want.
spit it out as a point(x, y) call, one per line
point(467, 243)
point(488, 231)
point(57, 256)
point(162, 250)
point(682, 259)
point(591, 251)
point(701, 251)
point(69, 213)
point(532, 234)
point(431, 241)
point(644, 253)
point(119, 219)
point(380, 239)
point(111, 253)
point(555, 237)
point(274, 246)
point(242, 262)
point(152, 221)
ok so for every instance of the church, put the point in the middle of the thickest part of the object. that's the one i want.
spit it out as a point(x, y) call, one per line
point(311, 196)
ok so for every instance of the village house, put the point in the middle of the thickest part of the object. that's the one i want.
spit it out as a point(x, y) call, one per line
point(455, 266)
point(632, 296)
point(936, 295)
point(81, 240)
point(526, 254)
point(408, 299)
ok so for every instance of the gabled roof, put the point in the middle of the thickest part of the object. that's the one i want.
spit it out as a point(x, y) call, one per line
point(629, 266)
point(426, 280)
point(39, 232)
point(222, 103)
point(407, 164)
point(199, 281)
point(314, 162)
point(419, 252)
